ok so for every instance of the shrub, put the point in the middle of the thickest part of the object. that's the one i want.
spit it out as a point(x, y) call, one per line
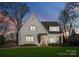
point(53, 44)
point(2, 40)
point(74, 40)
point(10, 43)
point(29, 45)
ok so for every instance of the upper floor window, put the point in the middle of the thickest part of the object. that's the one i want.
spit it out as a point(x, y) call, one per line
point(33, 28)
point(54, 28)
point(51, 28)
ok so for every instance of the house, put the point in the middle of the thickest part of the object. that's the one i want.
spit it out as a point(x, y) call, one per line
point(36, 32)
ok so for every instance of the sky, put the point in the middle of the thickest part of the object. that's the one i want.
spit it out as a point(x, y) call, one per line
point(43, 10)
point(46, 10)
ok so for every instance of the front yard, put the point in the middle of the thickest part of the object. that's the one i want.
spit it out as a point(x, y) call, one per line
point(40, 51)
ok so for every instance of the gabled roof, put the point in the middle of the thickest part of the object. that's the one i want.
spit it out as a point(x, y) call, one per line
point(52, 23)
point(45, 24)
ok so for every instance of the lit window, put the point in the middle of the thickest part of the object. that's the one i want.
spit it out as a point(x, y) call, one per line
point(32, 28)
point(29, 39)
point(56, 28)
point(51, 40)
point(51, 28)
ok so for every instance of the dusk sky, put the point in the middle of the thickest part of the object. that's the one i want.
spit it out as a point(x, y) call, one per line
point(46, 10)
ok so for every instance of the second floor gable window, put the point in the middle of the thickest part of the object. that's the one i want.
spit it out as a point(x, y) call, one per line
point(32, 27)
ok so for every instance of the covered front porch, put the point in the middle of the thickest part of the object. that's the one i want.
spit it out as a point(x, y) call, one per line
point(47, 39)
point(42, 39)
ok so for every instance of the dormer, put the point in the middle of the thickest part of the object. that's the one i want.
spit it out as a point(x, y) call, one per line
point(52, 27)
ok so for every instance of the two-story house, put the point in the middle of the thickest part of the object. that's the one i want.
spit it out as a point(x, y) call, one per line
point(35, 32)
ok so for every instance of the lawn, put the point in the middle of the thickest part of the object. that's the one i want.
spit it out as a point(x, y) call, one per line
point(40, 52)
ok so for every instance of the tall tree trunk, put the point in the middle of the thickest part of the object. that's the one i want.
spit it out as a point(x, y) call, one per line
point(17, 33)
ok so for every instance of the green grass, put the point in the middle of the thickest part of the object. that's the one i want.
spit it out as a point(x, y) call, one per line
point(40, 52)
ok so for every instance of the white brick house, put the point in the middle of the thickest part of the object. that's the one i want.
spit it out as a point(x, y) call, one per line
point(35, 32)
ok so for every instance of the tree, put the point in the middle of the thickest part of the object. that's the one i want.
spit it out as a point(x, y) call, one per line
point(4, 26)
point(68, 17)
point(16, 11)
point(63, 19)
point(2, 40)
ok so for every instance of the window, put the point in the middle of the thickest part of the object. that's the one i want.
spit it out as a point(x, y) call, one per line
point(51, 40)
point(33, 28)
point(53, 28)
point(57, 28)
point(29, 39)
